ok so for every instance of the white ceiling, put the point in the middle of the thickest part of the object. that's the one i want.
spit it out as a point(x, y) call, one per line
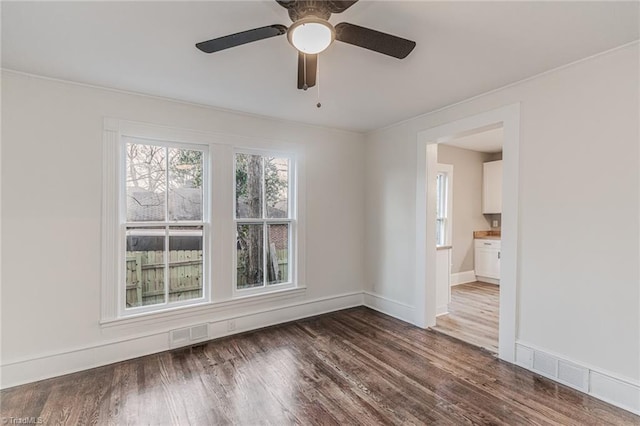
point(463, 49)
point(489, 141)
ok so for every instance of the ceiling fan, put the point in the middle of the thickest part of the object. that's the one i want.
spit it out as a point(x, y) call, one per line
point(311, 33)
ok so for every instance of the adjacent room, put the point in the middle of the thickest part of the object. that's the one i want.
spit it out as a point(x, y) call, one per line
point(320, 212)
point(468, 217)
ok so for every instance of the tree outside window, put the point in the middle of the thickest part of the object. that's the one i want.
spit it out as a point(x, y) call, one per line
point(263, 220)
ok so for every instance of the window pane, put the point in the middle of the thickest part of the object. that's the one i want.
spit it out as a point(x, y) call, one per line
point(249, 186)
point(441, 188)
point(145, 266)
point(185, 263)
point(278, 254)
point(277, 187)
point(249, 254)
point(440, 232)
point(146, 182)
point(185, 184)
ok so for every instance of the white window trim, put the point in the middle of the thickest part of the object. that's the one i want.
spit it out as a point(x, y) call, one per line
point(447, 169)
point(291, 220)
point(220, 273)
point(114, 211)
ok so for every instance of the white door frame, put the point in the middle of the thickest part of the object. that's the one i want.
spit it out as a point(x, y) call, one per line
point(427, 140)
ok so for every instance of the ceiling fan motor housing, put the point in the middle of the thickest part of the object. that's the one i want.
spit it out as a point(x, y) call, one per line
point(323, 9)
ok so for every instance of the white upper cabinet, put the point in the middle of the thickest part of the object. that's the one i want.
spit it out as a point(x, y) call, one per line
point(492, 187)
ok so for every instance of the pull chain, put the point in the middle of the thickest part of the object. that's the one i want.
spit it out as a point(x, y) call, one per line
point(304, 72)
point(318, 81)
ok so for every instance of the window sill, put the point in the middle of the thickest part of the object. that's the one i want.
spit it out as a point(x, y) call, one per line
point(203, 308)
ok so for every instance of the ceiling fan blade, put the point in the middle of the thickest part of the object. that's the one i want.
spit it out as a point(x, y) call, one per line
point(307, 68)
point(386, 44)
point(238, 39)
point(287, 4)
point(339, 6)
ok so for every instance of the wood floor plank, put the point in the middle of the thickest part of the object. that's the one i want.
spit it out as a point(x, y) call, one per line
point(355, 367)
point(441, 380)
point(473, 315)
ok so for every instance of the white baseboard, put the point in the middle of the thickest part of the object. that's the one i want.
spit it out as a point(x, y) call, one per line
point(623, 393)
point(488, 280)
point(463, 277)
point(393, 308)
point(30, 370)
point(442, 310)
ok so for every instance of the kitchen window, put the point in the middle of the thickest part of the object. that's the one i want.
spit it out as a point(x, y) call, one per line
point(444, 201)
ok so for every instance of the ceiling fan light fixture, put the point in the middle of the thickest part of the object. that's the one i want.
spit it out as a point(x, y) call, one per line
point(311, 35)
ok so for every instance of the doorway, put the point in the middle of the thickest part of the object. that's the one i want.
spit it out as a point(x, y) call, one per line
point(508, 117)
point(468, 275)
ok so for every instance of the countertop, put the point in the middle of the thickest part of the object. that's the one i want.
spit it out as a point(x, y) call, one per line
point(487, 235)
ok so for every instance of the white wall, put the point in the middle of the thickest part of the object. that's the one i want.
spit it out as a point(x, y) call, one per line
point(51, 222)
point(467, 202)
point(578, 287)
point(390, 233)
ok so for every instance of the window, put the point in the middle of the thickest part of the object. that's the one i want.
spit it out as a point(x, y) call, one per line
point(264, 221)
point(163, 218)
point(444, 177)
point(190, 221)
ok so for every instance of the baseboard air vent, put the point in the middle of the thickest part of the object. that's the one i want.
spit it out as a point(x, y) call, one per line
point(188, 336)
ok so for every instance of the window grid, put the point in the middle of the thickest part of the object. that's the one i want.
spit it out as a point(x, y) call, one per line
point(266, 223)
point(441, 208)
point(170, 228)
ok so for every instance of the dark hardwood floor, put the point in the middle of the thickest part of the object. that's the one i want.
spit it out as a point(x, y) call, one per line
point(350, 367)
point(473, 315)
